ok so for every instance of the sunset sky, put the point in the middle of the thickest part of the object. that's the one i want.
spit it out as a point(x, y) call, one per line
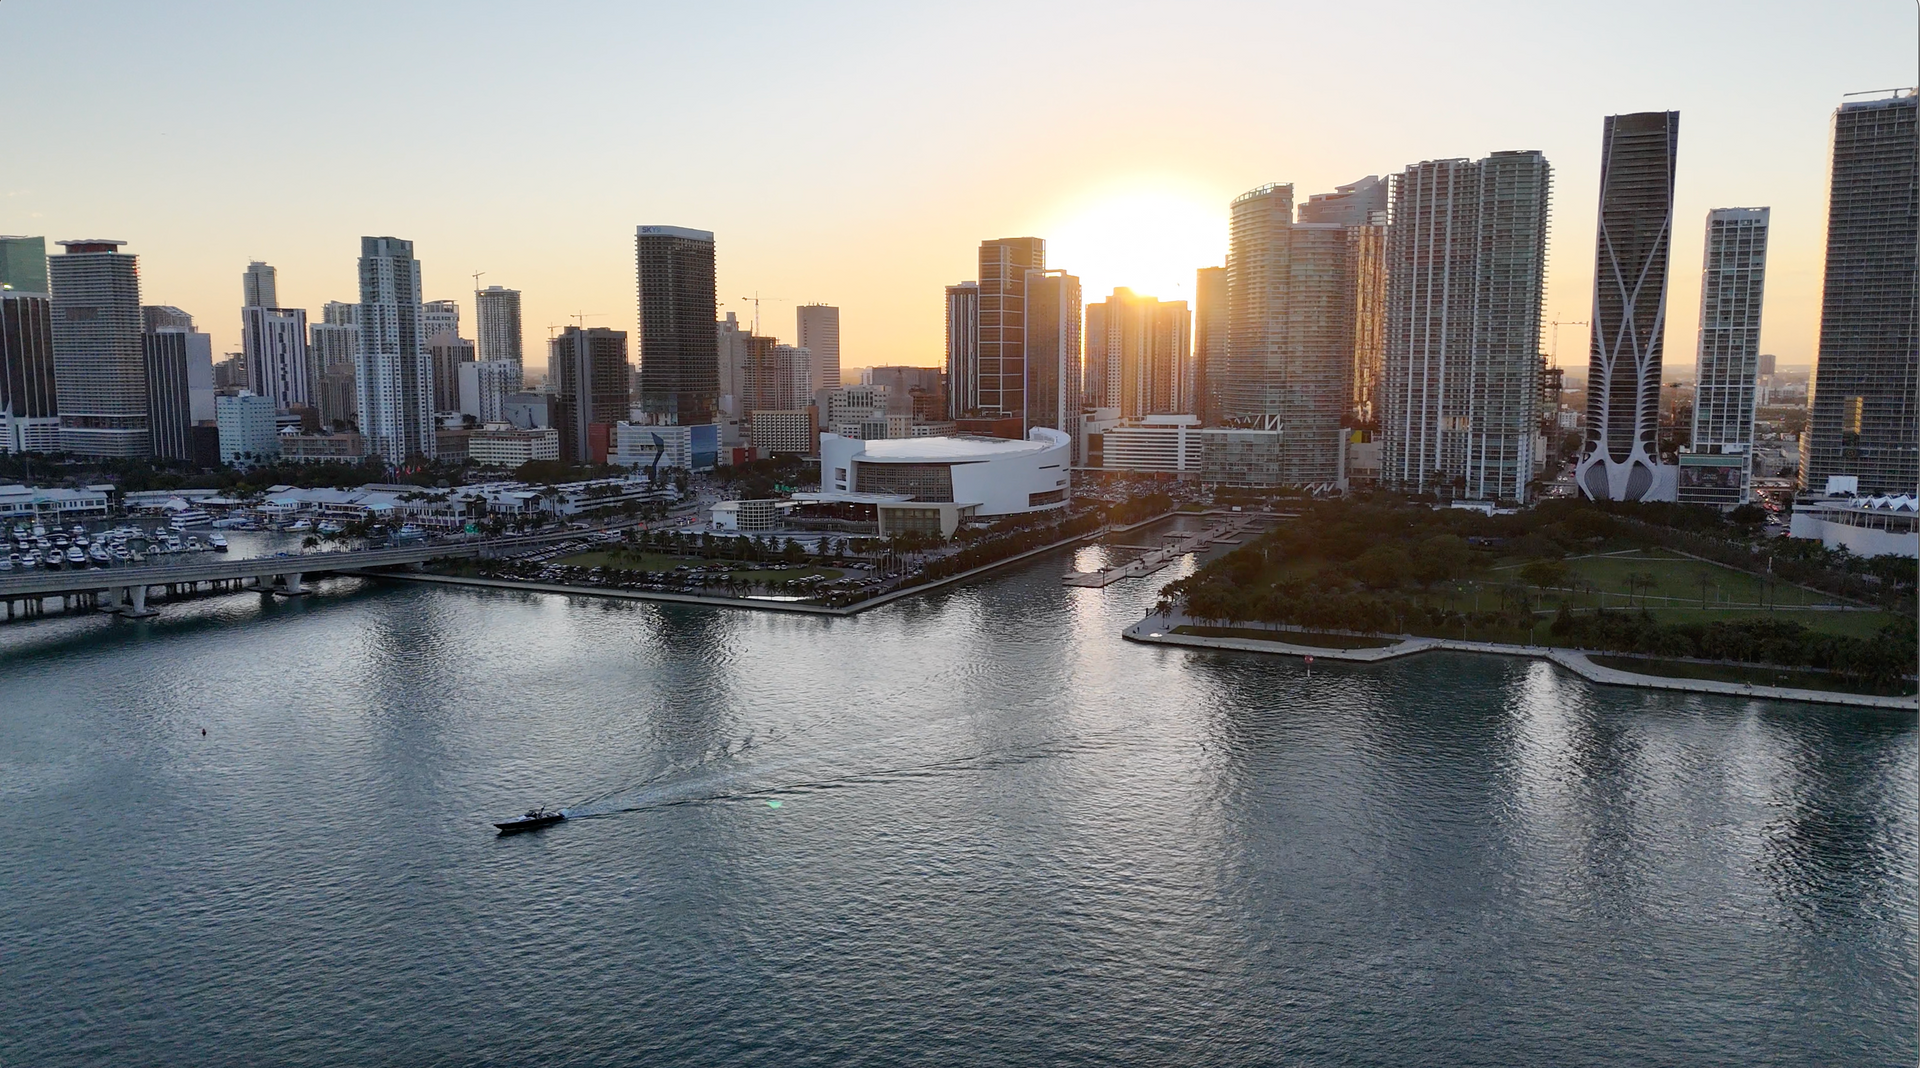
point(856, 154)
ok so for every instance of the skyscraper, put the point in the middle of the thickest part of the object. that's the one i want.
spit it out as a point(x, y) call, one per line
point(1209, 341)
point(448, 353)
point(1002, 374)
point(392, 373)
point(496, 311)
point(819, 334)
point(1459, 392)
point(1620, 460)
point(1862, 417)
point(1052, 352)
point(278, 364)
point(99, 361)
point(1716, 468)
point(588, 369)
point(335, 349)
point(1290, 332)
point(156, 318)
point(169, 402)
point(1360, 203)
point(439, 317)
point(679, 352)
point(258, 287)
point(1139, 358)
point(29, 408)
point(23, 264)
point(963, 349)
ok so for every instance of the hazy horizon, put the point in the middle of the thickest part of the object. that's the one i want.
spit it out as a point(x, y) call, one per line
point(842, 156)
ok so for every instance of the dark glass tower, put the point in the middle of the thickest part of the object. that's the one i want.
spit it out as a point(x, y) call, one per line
point(1002, 379)
point(1621, 460)
point(679, 349)
point(1862, 418)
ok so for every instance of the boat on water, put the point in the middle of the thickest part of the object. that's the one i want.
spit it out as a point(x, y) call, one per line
point(328, 526)
point(534, 819)
point(299, 526)
point(76, 556)
point(189, 517)
point(218, 541)
point(409, 532)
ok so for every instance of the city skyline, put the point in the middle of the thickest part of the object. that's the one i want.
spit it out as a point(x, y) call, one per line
point(1109, 216)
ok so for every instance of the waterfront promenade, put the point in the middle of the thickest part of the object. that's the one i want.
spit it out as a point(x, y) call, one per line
point(1159, 630)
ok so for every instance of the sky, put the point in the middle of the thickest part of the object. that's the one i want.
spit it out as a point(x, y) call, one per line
point(857, 153)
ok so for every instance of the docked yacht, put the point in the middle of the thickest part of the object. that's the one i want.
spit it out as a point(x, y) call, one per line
point(300, 526)
point(189, 517)
point(217, 542)
point(76, 556)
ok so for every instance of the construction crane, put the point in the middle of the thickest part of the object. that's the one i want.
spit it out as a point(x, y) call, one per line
point(757, 298)
point(1557, 324)
point(580, 318)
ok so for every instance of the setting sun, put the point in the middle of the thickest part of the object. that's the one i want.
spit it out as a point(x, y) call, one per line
point(1150, 239)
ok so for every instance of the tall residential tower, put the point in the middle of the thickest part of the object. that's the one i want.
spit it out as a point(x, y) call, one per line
point(393, 374)
point(1862, 418)
point(100, 365)
point(819, 333)
point(1716, 467)
point(1620, 460)
point(679, 351)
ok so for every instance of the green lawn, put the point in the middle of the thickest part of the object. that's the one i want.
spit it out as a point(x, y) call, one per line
point(1757, 675)
point(1290, 637)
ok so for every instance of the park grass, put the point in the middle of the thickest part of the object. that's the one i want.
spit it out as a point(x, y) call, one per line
point(1753, 674)
point(1677, 582)
point(1290, 637)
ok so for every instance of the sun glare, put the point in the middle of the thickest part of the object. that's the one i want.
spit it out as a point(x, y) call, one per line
point(1150, 240)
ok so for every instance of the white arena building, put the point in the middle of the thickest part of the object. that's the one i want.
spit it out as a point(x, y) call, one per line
point(930, 484)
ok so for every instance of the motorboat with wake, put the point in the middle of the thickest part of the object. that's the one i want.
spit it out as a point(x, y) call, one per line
point(534, 819)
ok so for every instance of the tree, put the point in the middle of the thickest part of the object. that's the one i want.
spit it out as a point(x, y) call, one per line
point(1383, 567)
point(1442, 558)
point(1544, 573)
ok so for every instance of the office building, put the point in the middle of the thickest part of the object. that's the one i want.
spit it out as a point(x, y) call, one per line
point(29, 401)
point(1210, 333)
point(392, 374)
point(679, 352)
point(449, 354)
point(1861, 421)
point(1178, 446)
point(1459, 394)
point(23, 264)
point(1139, 358)
point(794, 431)
point(100, 366)
point(1716, 468)
point(334, 348)
point(1005, 266)
point(963, 349)
point(274, 341)
point(169, 403)
point(588, 370)
point(496, 312)
point(1054, 353)
point(248, 432)
point(259, 287)
point(439, 317)
point(912, 391)
point(819, 334)
point(684, 448)
point(1620, 459)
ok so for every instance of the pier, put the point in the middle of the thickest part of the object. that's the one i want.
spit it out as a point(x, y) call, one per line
point(1178, 545)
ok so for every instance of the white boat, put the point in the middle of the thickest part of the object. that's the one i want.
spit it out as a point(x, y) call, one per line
point(76, 556)
point(99, 555)
point(409, 533)
point(218, 541)
point(299, 526)
point(328, 526)
point(189, 517)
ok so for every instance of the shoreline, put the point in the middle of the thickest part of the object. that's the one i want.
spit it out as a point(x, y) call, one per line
point(1158, 630)
point(748, 604)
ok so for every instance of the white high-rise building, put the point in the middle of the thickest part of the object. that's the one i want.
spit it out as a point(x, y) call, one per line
point(99, 359)
point(1717, 467)
point(393, 374)
point(496, 312)
point(484, 386)
point(1466, 263)
point(439, 317)
point(819, 334)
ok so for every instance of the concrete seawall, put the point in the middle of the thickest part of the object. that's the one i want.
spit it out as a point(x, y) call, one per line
point(1158, 630)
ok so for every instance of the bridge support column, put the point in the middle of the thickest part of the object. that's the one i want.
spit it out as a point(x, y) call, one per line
point(288, 585)
point(114, 596)
point(137, 606)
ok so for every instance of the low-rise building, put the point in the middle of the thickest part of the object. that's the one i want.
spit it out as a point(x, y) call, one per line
point(685, 448)
point(509, 446)
point(348, 447)
point(777, 432)
point(53, 505)
point(1177, 445)
point(1864, 526)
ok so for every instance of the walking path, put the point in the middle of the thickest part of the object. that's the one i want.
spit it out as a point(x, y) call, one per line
point(1158, 630)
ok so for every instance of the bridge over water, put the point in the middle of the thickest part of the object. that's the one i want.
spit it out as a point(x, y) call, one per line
point(124, 589)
